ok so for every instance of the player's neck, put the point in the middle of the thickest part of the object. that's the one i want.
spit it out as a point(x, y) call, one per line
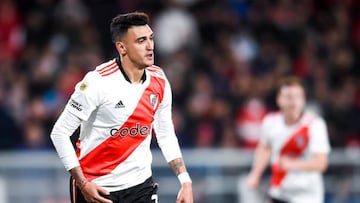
point(133, 72)
point(292, 119)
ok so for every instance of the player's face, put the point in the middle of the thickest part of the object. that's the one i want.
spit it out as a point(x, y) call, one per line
point(139, 45)
point(291, 101)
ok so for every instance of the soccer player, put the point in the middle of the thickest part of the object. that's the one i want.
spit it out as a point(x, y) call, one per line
point(297, 144)
point(117, 106)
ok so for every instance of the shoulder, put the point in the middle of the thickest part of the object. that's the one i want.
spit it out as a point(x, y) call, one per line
point(312, 117)
point(107, 68)
point(270, 120)
point(314, 120)
point(156, 71)
point(89, 83)
point(95, 78)
point(272, 116)
point(103, 70)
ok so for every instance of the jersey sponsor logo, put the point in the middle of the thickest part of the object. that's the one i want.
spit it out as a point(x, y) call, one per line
point(119, 105)
point(76, 105)
point(132, 131)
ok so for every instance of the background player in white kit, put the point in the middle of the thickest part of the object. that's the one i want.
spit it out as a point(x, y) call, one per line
point(117, 105)
point(297, 144)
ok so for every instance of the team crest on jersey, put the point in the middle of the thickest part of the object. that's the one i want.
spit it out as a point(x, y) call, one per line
point(154, 99)
point(300, 141)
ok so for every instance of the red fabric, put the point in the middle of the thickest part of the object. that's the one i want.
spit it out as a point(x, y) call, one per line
point(294, 147)
point(114, 150)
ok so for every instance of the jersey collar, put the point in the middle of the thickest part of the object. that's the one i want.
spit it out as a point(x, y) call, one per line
point(143, 77)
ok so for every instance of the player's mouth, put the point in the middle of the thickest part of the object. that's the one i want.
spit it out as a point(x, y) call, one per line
point(149, 56)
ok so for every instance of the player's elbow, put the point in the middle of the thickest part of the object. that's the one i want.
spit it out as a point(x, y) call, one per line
point(321, 162)
point(323, 167)
point(55, 134)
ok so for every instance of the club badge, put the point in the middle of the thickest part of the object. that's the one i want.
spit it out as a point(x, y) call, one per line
point(154, 99)
point(300, 141)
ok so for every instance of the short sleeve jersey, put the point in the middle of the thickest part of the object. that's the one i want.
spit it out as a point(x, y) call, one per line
point(300, 140)
point(117, 120)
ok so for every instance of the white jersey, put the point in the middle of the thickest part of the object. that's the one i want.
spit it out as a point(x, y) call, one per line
point(117, 121)
point(300, 140)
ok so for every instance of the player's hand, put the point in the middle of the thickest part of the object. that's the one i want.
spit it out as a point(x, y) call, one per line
point(92, 192)
point(287, 163)
point(185, 194)
point(252, 181)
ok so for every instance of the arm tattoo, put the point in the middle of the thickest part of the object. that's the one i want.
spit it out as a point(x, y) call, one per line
point(177, 165)
point(78, 175)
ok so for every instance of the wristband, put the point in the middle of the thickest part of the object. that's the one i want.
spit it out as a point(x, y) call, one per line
point(184, 177)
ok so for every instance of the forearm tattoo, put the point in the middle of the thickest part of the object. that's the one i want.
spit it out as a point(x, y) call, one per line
point(177, 165)
point(79, 177)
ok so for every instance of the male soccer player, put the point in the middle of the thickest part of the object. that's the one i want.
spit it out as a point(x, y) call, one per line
point(297, 144)
point(117, 106)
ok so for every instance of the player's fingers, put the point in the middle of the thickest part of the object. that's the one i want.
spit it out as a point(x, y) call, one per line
point(102, 190)
point(253, 185)
point(252, 182)
point(178, 199)
point(103, 200)
point(183, 200)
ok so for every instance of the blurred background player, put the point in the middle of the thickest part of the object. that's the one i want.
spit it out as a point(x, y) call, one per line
point(117, 105)
point(296, 143)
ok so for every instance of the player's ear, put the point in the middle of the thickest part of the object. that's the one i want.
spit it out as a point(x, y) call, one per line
point(120, 46)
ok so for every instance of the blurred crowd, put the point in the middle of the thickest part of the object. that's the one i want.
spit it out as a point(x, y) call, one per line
point(223, 59)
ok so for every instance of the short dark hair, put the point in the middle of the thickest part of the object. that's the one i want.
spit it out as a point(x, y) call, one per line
point(122, 22)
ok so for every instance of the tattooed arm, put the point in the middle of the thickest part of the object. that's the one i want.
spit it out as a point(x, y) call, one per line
point(169, 145)
point(177, 166)
point(185, 194)
point(90, 190)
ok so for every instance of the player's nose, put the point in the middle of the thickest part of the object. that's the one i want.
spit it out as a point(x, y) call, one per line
point(150, 45)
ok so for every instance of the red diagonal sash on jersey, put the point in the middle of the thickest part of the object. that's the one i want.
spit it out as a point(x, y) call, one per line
point(294, 147)
point(114, 150)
